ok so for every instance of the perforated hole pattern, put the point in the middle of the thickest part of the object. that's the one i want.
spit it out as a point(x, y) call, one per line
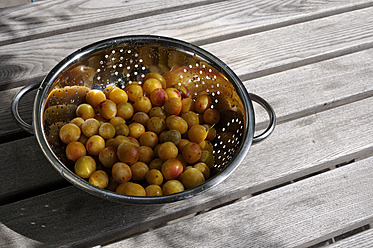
point(128, 63)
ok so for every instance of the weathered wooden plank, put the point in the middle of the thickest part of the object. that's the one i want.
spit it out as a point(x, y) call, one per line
point(24, 22)
point(324, 84)
point(364, 65)
point(31, 60)
point(360, 240)
point(296, 45)
point(298, 215)
point(7, 4)
point(296, 149)
point(46, 18)
point(25, 168)
point(34, 221)
point(316, 87)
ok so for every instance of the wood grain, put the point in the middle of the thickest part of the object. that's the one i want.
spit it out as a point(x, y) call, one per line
point(26, 169)
point(296, 149)
point(262, 56)
point(360, 240)
point(298, 215)
point(310, 59)
point(29, 61)
point(316, 87)
point(47, 18)
point(323, 83)
point(327, 84)
point(296, 45)
point(325, 77)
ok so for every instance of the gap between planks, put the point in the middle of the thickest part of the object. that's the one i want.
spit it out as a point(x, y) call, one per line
point(334, 240)
point(344, 237)
point(307, 61)
point(256, 193)
point(281, 24)
point(156, 12)
point(286, 67)
point(260, 73)
point(102, 23)
point(326, 157)
point(364, 238)
point(346, 229)
point(262, 88)
point(265, 72)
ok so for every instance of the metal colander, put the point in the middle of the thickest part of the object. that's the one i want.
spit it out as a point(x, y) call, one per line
point(124, 60)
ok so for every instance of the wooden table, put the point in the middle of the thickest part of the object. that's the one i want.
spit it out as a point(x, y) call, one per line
point(309, 184)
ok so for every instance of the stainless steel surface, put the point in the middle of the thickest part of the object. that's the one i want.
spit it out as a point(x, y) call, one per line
point(118, 60)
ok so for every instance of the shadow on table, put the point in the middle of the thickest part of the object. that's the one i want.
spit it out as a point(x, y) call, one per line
point(18, 28)
point(8, 24)
point(69, 217)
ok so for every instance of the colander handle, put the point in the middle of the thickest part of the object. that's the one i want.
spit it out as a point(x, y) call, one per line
point(14, 108)
point(272, 117)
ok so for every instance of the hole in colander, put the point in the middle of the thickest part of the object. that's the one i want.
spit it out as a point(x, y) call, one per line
point(129, 65)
